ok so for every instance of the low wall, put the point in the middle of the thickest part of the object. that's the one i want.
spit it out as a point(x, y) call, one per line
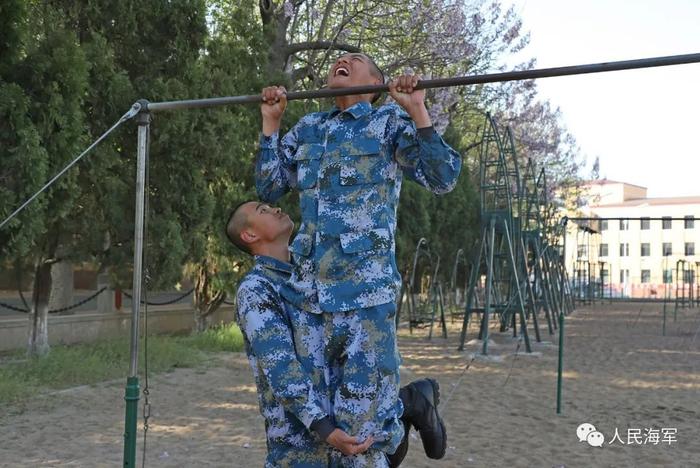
point(86, 327)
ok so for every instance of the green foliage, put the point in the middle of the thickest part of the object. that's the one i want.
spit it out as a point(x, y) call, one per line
point(69, 69)
point(69, 366)
point(12, 13)
point(224, 337)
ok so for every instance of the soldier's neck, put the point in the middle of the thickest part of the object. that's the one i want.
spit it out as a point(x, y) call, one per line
point(344, 102)
point(278, 250)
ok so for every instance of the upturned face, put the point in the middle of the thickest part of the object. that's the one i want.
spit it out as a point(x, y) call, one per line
point(351, 70)
point(266, 222)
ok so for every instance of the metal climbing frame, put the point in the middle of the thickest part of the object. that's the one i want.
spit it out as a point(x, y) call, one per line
point(423, 291)
point(496, 254)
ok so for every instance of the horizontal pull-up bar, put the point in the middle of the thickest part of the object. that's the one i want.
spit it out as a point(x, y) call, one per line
point(632, 218)
point(440, 82)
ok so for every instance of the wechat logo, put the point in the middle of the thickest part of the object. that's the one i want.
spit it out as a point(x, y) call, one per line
point(587, 432)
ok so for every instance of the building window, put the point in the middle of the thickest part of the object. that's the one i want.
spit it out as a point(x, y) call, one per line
point(666, 222)
point(646, 276)
point(645, 249)
point(689, 222)
point(624, 224)
point(690, 248)
point(644, 224)
point(668, 276)
point(624, 250)
point(603, 252)
point(624, 276)
point(688, 276)
point(604, 276)
point(581, 250)
point(603, 224)
point(666, 249)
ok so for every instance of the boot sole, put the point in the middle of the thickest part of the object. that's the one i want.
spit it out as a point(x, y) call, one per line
point(436, 396)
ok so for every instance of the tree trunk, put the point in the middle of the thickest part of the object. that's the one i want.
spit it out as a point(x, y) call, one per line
point(38, 344)
point(275, 30)
point(206, 299)
point(61, 285)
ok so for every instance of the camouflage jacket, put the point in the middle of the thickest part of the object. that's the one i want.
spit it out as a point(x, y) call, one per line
point(348, 167)
point(288, 399)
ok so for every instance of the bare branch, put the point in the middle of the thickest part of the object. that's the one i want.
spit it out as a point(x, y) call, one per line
point(292, 49)
point(300, 73)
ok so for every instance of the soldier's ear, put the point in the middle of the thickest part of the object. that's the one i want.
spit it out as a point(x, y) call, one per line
point(248, 236)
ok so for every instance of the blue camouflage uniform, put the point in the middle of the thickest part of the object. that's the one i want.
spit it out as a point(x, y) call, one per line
point(348, 168)
point(288, 365)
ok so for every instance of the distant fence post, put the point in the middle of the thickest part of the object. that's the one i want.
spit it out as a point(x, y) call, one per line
point(105, 300)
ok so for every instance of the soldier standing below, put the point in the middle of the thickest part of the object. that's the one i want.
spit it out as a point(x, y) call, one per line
point(285, 350)
point(348, 164)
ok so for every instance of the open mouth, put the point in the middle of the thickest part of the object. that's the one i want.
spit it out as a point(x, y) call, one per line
point(342, 71)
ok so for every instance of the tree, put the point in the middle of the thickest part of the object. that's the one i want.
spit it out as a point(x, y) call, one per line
point(52, 77)
point(79, 60)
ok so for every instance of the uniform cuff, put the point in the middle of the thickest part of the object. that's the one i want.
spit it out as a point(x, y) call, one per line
point(269, 142)
point(323, 427)
point(426, 132)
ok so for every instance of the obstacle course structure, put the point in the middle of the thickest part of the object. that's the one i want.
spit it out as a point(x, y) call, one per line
point(520, 273)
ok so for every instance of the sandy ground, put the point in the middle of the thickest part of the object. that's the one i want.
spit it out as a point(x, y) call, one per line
point(620, 373)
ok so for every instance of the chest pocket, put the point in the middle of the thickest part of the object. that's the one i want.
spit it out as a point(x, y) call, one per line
point(308, 159)
point(301, 245)
point(362, 163)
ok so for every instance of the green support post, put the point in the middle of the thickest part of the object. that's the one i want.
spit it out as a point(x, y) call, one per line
point(130, 421)
point(561, 360)
point(132, 381)
point(663, 329)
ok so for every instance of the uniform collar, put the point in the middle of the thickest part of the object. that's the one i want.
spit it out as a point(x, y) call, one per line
point(273, 264)
point(357, 110)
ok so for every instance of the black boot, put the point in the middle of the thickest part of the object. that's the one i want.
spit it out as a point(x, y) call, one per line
point(420, 400)
point(397, 457)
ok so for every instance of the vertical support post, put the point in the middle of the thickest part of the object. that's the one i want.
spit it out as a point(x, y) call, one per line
point(561, 360)
point(663, 328)
point(489, 287)
point(470, 293)
point(521, 302)
point(563, 263)
point(132, 381)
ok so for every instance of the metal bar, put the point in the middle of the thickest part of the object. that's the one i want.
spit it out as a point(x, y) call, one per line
point(521, 302)
point(143, 121)
point(560, 366)
point(440, 82)
point(489, 287)
point(640, 218)
point(132, 387)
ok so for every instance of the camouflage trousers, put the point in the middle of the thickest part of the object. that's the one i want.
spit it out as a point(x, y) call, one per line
point(309, 453)
point(357, 353)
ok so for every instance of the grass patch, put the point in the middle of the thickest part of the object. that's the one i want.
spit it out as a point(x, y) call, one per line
point(85, 364)
point(225, 337)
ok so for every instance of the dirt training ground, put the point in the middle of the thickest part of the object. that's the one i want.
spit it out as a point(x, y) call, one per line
point(620, 373)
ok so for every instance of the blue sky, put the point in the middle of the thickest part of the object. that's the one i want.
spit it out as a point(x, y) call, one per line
point(643, 124)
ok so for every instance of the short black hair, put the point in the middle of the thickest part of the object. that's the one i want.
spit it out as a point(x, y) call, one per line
point(233, 231)
point(377, 73)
